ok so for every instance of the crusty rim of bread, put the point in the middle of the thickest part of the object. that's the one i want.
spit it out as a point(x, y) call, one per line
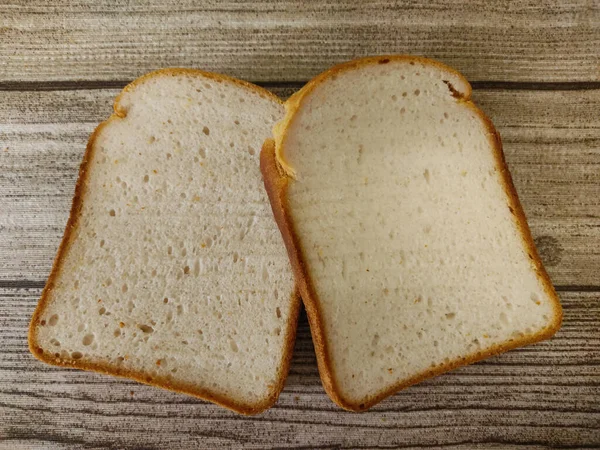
point(107, 367)
point(277, 175)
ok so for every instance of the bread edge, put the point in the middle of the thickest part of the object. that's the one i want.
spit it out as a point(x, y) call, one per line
point(277, 176)
point(72, 223)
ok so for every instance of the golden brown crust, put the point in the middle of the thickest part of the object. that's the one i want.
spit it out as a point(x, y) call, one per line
point(277, 176)
point(72, 223)
point(276, 185)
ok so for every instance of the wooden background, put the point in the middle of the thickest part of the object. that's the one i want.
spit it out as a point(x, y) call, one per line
point(535, 68)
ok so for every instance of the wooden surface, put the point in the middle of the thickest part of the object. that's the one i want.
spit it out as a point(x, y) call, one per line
point(535, 70)
point(263, 40)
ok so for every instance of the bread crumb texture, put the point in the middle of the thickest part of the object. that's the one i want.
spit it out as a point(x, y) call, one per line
point(175, 267)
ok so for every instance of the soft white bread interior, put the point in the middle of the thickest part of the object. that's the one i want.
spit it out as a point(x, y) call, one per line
point(172, 270)
point(408, 241)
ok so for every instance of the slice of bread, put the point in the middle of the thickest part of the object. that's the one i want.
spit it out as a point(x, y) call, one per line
point(172, 270)
point(410, 247)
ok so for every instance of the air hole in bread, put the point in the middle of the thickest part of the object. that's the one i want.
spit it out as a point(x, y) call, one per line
point(112, 213)
point(206, 130)
point(146, 178)
point(87, 339)
point(375, 339)
point(145, 328)
point(251, 151)
point(76, 355)
point(53, 320)
point(55, 342)
point(101, 311)
point(426, 175)
point(169, 250)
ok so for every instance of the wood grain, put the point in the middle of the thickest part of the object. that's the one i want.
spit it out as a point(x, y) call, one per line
point(545, 394)
point(287, 40)
point(551, 140)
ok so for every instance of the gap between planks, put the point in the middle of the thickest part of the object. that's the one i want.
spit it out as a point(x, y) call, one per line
point(39, 284)
point(68, 85)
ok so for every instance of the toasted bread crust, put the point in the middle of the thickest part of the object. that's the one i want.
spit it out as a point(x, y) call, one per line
point(72, 223)
point(277, 178)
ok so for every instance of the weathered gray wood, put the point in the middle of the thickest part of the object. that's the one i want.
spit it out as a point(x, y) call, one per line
point(288, 40)
point(545, 394)
point(551, 140)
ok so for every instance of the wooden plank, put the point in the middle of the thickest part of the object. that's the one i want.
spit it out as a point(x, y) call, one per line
point(261, 40)
point(551, 141)
point(545, 394)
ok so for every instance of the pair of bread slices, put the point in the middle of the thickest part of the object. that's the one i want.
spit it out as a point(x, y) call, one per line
point(407, 242)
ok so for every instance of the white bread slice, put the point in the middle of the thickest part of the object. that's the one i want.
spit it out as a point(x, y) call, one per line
point(172, 271)
point(410, 247)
